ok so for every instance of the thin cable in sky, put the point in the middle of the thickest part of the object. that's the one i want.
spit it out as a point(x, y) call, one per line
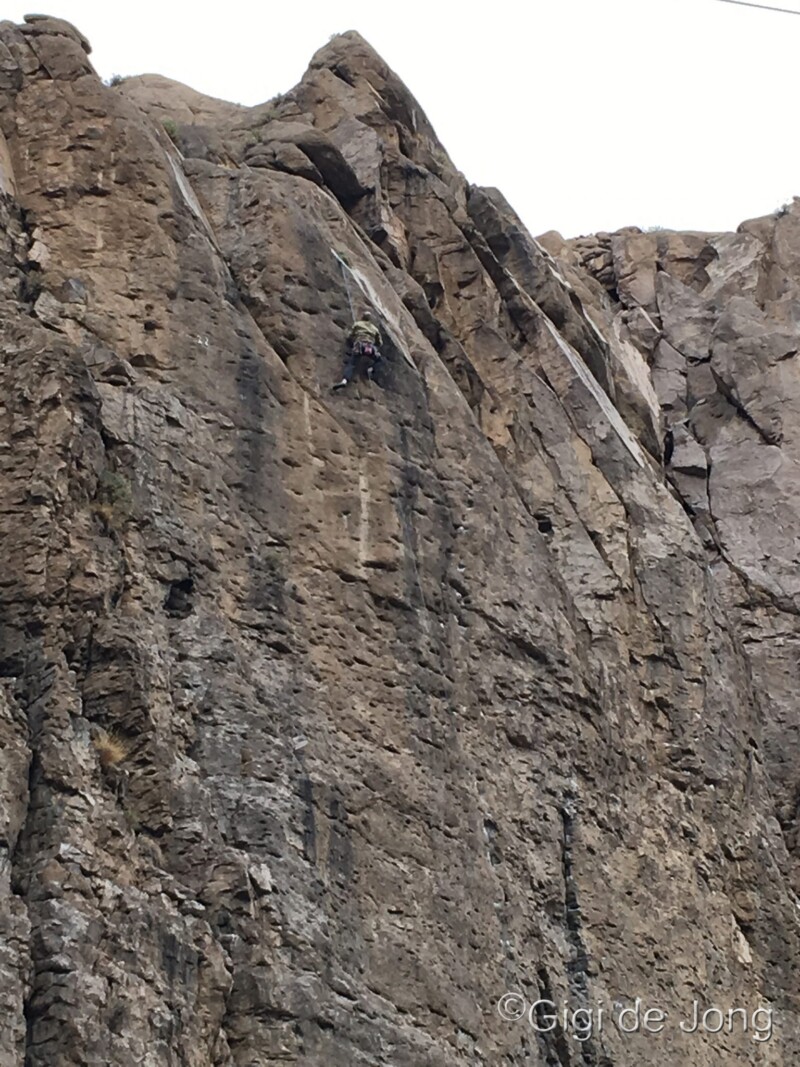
point(761, 7)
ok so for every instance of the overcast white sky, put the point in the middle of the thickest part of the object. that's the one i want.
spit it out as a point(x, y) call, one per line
point(588, 114)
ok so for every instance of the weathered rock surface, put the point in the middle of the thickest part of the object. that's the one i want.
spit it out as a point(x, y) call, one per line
point(428, 692)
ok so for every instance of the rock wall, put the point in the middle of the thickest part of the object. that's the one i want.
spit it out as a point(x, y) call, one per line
point(423, 693)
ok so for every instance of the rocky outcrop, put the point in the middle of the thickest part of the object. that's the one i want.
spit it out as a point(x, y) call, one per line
point(328, 720)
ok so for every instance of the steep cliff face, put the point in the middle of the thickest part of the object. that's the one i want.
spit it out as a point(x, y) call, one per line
point(429, 691)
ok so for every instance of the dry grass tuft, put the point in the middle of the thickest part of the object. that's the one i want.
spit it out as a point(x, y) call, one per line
point(114, 500)
point(111, 749)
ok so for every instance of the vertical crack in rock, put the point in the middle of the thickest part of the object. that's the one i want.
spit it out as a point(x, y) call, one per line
point(578, 965)
point(553, 1040)
point(30, 271)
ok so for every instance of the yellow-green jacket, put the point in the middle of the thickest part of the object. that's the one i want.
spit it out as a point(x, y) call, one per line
point(365, 331)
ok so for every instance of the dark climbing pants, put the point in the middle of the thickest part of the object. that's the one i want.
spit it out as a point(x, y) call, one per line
point(358, 357)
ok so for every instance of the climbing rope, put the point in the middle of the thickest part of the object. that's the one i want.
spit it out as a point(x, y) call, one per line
point(762, 7)
point(419, 583)
point(343, 265)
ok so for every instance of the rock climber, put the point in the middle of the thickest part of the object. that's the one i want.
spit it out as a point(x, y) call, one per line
point(363, 349)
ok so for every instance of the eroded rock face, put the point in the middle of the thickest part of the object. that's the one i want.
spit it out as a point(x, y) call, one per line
point(427, 692)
